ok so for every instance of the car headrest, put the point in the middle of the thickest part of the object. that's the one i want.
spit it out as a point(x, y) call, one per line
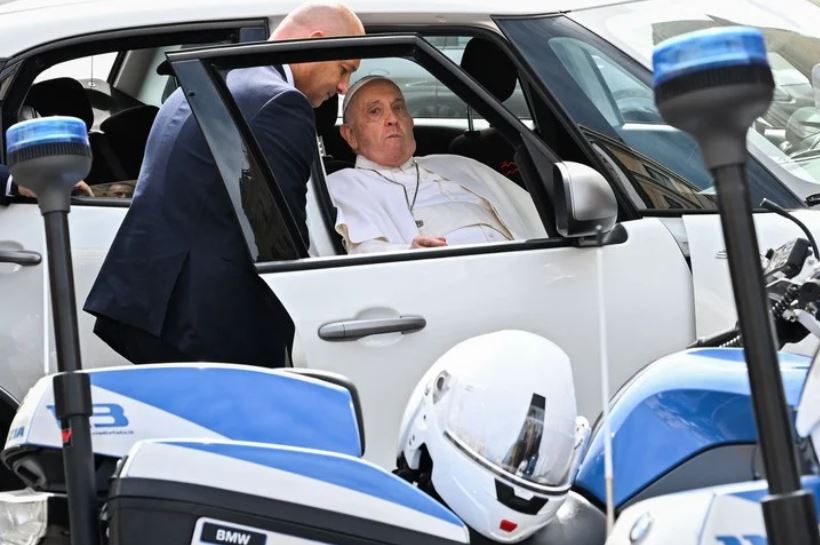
point(137, 119)
point(488, 64)
point(326, 115)
point(61, 96)
point(803, 123)
point(815, 84)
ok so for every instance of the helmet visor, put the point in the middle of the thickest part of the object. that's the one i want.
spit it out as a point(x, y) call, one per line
point(520, 446)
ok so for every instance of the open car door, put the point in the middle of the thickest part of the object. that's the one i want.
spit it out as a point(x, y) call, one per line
point(383, 319)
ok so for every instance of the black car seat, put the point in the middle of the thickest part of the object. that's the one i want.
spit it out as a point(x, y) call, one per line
point(61, 96)
point(493, 69)
point(66, 96)
point(126, 133)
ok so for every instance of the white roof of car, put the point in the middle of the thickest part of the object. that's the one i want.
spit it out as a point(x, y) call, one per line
point(29, 23)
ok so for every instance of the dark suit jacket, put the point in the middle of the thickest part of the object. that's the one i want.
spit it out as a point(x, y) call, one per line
point(179, 268)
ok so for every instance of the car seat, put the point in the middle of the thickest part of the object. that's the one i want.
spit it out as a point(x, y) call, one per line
point(127, 133)
point(326, 115)
point(61, 96)
point(803, 126)
point(66, 96)
point(492, 68)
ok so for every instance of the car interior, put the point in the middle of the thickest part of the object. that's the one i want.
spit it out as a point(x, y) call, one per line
point(119, 123)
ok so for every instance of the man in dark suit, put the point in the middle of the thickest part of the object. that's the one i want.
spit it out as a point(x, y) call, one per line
point(178, 283)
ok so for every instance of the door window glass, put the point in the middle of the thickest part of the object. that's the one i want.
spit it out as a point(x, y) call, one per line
point(427, 98)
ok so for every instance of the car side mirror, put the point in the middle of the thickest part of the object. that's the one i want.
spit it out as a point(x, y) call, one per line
point(583, 200)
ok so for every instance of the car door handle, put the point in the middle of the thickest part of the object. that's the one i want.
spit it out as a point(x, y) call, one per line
point(351, 330)
point(25, 258)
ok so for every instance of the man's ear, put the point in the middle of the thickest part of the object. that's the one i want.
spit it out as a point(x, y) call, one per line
point(349, 136)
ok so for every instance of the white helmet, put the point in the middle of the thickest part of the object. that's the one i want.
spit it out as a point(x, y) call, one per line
point(495, 417)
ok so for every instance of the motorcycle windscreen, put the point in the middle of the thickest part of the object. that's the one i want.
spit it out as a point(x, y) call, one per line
point(202, 400)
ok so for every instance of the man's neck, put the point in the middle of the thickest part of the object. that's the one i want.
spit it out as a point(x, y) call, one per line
point(364, 162)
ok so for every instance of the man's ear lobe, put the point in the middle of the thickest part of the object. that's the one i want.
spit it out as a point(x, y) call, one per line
point(349, 137)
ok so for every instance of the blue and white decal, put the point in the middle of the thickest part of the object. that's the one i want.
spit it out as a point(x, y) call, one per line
point(323, 480)
point(687, 402)
point(208, 401)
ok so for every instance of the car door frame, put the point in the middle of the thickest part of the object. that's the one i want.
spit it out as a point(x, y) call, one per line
point(201, 74)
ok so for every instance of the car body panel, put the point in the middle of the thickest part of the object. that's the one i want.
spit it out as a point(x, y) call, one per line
point(714, 302)
point(30, 24)
point(27, 353)
point(551, 292)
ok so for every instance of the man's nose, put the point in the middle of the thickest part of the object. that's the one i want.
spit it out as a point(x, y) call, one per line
point(391, 118)
point(343, 86)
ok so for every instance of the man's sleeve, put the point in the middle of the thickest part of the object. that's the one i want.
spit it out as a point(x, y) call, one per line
point(286, 132)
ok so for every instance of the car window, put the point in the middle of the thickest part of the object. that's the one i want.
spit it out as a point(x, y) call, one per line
point(117, 93)
point(611, 99)
point(90, 68)
point(427, 98)
point(462, 199)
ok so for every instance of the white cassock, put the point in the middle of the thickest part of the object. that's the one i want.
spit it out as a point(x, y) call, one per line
point(383, 209)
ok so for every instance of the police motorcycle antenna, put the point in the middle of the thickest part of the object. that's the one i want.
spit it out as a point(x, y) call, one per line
point(49, 156)
point(713, 84)
point(609, 481)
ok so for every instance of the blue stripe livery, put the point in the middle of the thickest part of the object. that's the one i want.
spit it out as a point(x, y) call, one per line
point(674, 409)
point(343, 471)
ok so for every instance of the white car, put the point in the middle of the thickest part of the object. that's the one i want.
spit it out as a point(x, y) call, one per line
point(583, 94)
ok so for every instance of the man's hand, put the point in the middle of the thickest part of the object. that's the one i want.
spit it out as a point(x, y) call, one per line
point(428, 242)
point(81, 188)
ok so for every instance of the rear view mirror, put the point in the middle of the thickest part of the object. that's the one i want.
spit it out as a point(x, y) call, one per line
point(583, 200)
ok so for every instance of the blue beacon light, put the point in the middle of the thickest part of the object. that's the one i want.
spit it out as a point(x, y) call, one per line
point(49, 155)
point(45, 130)
point(709, 49)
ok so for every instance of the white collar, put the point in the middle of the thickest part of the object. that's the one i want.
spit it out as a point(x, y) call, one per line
point(364, 162)
point(288, 74)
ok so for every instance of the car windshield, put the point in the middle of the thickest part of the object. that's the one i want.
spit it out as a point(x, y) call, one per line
point(787, 138)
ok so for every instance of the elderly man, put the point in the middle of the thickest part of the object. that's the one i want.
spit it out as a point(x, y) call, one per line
point(178, 283)
point(394, 201)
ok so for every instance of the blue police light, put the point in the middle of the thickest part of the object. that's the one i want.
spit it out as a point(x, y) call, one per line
point(24, 138)
point(713, 84)
point(713, 48)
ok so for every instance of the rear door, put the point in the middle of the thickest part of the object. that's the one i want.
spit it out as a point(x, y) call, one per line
point(26, 332)
point(22, 281)
point(383, 319)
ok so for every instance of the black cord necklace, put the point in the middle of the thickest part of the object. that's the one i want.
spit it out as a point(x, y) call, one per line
point(410, 205)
